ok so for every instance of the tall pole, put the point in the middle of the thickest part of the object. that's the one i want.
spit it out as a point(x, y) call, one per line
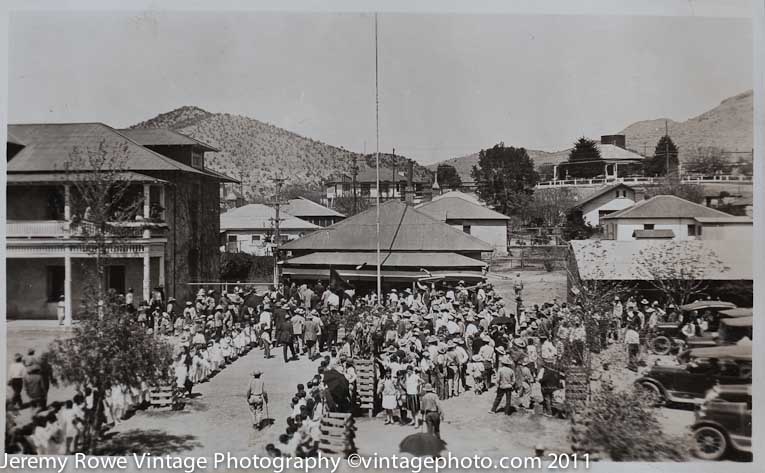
point(277, 234)
point(377, 166)
point(394, 173)
point(666, 146)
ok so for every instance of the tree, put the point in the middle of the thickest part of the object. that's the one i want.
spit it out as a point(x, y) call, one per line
point(576, 228)
point(505, 177)
point(625, 426)
point(344, 205)
point(448, 178)
point(672, 185)
point(678, 269)
point(709, 160)
point(549, 207)
point(583, 159)
point(657, 166)
point(108, 346)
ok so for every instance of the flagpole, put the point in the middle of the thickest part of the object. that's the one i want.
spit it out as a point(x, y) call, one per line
point(377, 167)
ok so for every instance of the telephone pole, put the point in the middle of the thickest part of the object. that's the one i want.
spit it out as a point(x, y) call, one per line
point(666, 146)
point(354, 174)
point(394, 173)
point(276, 204)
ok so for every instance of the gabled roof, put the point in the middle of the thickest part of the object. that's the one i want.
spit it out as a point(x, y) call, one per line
point(600, 192)
point(163, 137)
point(48, 147)
point(666, 206)
point(302, 207)
point(457, 208)
point(402, 228)
point(625, 260)
point(260, 217)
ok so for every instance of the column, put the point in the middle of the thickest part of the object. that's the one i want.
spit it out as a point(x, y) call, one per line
point(146, 201)
point(616, 170)
point(555, 172)
point(146, 274)
point(67, 203)
point(67, 288)
point(162, 273)
point(162, 198)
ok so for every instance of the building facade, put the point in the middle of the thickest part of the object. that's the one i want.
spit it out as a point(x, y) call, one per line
point(168, 242)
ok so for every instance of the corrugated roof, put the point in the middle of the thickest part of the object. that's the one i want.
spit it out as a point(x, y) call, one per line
point(388, 259)
point(461, 195)
point(666, 206)
point(48, 147)
point(388, 275)
point(163, 137)
point(58, 177)
point(728, 219)
point(402, 228)
point(660, 233)
point(457, 208)
point(600, 192)
point(259, 217)
point(302, 207)
point(619, 260)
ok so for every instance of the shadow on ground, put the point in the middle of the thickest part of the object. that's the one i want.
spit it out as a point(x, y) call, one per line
point(155, 442)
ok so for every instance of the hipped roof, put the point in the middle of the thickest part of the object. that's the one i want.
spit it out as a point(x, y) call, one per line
point(163, 137)
point(402, 228)
point(387, 259)
point(457, 208)
point(259, 217)
point(666, 206)
point(302, 207)
point(48, 146)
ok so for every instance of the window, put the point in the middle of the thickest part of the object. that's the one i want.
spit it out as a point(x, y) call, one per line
point(466, 229)
point(691, 230)
point(54, 282)
point(115, 278)
point(231, 238)
point(255, 238)
point(197, 159)
point(648, 226)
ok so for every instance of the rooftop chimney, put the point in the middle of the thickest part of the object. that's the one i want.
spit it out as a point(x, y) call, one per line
point(616, 140)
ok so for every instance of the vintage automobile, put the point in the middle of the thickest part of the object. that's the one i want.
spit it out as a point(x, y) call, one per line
point(688, 383)
point(667, 336)
point(724, 422)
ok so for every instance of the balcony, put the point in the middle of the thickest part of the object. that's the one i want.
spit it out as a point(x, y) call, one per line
point(61, 229)
point(37, 229)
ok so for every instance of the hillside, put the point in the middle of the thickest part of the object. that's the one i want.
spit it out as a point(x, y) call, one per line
point(255, 152)
point(727, 126)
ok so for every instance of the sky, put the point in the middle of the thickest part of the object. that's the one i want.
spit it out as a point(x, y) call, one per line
point(449, 85)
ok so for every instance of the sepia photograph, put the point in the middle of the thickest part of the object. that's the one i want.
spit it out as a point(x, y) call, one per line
point(379, 240)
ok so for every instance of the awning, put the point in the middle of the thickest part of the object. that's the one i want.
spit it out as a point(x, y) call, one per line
point(388, 259)
point(387, 275)
point(738, 312)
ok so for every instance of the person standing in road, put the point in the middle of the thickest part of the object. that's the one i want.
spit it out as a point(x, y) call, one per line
point(257, 398)
point(16, 373)
point(505, 384)
point(518, 286)
point(431, 410)
point(311, 331)
point(285, 338)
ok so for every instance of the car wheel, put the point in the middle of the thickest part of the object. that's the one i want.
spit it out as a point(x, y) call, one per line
point(653, 391)
point(661, 345)
point(710, 443)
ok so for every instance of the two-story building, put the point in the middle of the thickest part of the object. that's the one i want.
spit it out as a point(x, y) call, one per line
point(395, 183)
point(252, 229)
point(310, 211)
point(686, 220)
point(171, 240)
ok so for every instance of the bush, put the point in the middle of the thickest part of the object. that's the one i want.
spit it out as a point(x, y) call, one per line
point(624, 425)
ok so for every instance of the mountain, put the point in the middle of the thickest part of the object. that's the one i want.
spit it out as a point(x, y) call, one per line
point(727, 126)
point(255, 152)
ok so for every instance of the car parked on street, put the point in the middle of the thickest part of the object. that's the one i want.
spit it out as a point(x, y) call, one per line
point(724, 422)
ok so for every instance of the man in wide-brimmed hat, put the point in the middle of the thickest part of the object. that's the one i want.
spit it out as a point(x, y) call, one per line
point(257, 398)
point(505, 383)
point(431, 410)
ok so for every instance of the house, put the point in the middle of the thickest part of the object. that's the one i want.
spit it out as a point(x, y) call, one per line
point(613, 154)
point(412, 244)
point(395, 183)
point(310, 211)
point(251, 229)
point(605, 201)
point(170, 241)
point(726, 269)
point(467, 214)
point(687, 220)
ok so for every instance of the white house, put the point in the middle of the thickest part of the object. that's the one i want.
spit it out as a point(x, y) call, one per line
point(469, 215)
point(251, 229)
point(605, 201)
point(686, 220)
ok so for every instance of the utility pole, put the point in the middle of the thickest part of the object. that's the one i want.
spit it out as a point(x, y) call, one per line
point(666, 146)
point(276, 204)
point(354, 174)
point(394, 173)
